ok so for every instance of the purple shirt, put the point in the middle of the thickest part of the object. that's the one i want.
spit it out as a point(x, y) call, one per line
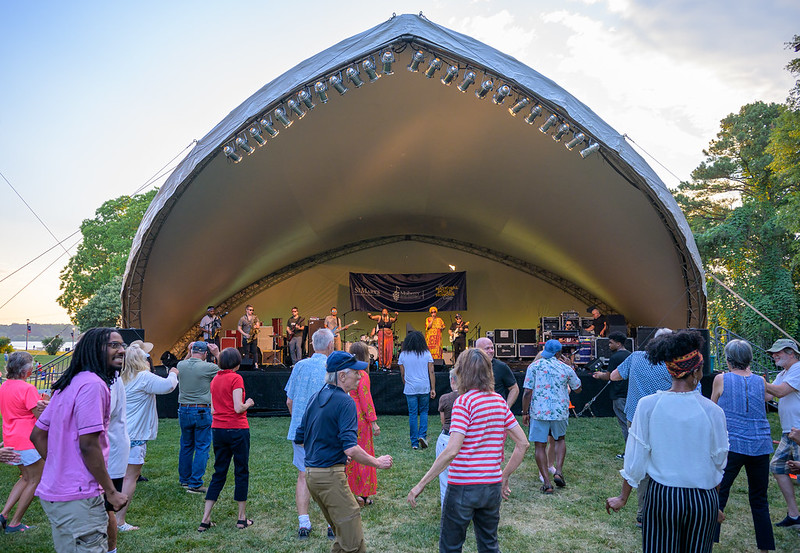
point(81, 408)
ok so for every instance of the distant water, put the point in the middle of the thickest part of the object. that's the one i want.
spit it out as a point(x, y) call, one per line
point(19, 345)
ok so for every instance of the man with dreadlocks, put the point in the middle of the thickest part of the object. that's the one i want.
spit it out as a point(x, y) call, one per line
point(71, 436)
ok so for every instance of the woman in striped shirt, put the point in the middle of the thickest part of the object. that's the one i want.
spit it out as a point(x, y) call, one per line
point(476, 481)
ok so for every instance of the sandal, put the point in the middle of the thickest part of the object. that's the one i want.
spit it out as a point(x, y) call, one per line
point(558, 478)
point(205, 526)
point(367, 501)
point(548, 490)
point(18, 528)
point(242, 524)
point(127, 527)
point(3, 522)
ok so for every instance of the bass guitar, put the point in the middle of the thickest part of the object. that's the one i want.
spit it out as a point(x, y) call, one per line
point(339, 329)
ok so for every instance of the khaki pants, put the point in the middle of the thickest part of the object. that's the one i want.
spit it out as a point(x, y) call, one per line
point(79, 525)
point(337, 343)
point(329, 489)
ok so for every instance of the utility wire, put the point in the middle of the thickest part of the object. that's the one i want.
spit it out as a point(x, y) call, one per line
point(38, 256)
point(32, 211)
point(40, 274)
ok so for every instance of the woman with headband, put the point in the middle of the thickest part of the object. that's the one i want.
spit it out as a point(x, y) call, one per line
point(678, 438)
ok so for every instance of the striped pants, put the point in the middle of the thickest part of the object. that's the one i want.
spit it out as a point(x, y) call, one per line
point(679, 520)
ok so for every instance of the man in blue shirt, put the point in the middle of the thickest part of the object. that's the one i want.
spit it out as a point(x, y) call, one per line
point(307, 378)
point(328, 432)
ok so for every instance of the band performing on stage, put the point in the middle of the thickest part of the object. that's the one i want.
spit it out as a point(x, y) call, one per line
point(286, 345)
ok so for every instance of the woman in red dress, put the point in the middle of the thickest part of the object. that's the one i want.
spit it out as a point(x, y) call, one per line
point(385, 337)
point(363, 479)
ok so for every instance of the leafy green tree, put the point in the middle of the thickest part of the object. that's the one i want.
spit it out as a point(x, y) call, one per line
point(737, 207)
point(794, 68)
point(104, 308)
point(52, 345)
point(103, 253)
point(5, 345)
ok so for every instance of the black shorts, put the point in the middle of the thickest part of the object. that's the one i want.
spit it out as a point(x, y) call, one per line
point(117, 486)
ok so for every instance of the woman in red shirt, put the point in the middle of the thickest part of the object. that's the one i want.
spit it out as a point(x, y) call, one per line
point(20, 406)
point(231, 434)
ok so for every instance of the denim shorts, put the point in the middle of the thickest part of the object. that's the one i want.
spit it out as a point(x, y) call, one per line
point(541, 429)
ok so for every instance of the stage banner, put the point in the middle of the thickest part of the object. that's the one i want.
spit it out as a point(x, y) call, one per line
point(408, 292)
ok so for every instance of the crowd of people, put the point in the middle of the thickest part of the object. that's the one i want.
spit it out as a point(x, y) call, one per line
point(81, 451)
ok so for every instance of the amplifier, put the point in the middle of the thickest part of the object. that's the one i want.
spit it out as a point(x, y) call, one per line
point(490, 335)
point(528, 351)
point(526, 336)
point(505, 351)
point(549, 323)
point(604, 351)
point(643, 336)
point(504, 336)
point(272, 357)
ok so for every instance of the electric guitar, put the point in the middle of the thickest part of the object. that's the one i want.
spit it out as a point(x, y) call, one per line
point(339, 329)
point(458, 332)
point(290, 331)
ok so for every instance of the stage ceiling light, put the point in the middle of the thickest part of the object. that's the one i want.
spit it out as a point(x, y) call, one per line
point(561, 131)
point(519, 106)
point(452, 73)
point(243, 144)
point(416, 59)
point(255, 133)
point(536, 111)
point(501, 94)
point(266, 124)
point(434, 66)
point(369, 69)
point(590, 150)
point(230, 151)
point(295, 107)
point(577, 139)
point(485, 88)
point(305, 97)
point(387, 59)
point(322, 91)
point(469, 78)
point(452, 267)
point(336, 83)
point(355, 78)
point(549, 123)
point(280, 115)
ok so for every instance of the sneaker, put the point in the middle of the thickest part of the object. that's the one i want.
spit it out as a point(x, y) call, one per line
point(331, 535)
point(303, 533)
point(789, 522)
point(423, 443)
point(198, 489)
point(184, 485)
point(621, 456)
point(414, 447)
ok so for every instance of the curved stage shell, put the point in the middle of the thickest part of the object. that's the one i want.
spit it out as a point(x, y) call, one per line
point(403, 175)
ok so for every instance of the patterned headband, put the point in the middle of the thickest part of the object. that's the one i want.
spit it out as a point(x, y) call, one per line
point(685, 364)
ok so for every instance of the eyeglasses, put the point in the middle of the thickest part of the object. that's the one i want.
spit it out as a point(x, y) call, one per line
point(117, 345)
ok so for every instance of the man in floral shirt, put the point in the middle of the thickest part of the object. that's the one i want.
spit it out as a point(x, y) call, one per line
point(545, 407)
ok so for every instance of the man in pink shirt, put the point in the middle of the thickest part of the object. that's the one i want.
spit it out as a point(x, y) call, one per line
point(71, 436)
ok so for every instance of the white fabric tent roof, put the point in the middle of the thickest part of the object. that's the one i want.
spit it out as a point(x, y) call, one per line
point(406, 160)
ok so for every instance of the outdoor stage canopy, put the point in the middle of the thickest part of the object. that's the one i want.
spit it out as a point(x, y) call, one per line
point(411, 148)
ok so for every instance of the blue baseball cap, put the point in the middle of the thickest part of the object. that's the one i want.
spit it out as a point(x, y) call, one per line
point(551, 347)
point(340, 360)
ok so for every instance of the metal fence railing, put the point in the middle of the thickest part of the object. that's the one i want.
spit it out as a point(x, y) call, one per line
point(44, 377)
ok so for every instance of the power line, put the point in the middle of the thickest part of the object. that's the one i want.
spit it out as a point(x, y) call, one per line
point(40, 274)
point(38, 256)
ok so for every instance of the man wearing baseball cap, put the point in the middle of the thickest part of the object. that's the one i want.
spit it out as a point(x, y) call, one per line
point(786, 386)
point(328, 434)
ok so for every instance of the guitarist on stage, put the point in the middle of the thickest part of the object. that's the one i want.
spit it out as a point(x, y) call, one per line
point(210, 325)
point(334, 324)
point(458, 336)
point(294, 333)
point(248, 327)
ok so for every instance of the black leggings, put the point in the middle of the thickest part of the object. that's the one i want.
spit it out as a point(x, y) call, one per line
point(230, 443)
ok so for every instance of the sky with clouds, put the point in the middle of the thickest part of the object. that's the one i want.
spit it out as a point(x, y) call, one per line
point(98, 97)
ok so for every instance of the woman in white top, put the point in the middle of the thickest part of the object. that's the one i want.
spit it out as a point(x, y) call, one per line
point(141, 388)
point(678, 438)
point(419, 385)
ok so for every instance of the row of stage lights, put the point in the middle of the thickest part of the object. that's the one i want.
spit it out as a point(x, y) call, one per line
point(296, 103)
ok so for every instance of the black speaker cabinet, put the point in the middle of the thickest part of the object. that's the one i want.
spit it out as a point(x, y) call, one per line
point(526, 336)
point(131, 334)
point(528, 351)
point(604, 351)
point(505, 351)
point(550, 323)
point(504, 336)
point(313, 325)
point(643, 336)
point(706, 350)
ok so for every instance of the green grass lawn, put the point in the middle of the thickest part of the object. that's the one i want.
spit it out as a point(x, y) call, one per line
point(572, 520)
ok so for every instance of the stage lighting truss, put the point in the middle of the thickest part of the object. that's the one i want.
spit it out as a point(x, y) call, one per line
point(299, 103)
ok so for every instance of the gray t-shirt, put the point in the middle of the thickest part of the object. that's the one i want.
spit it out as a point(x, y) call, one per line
point(194, 381)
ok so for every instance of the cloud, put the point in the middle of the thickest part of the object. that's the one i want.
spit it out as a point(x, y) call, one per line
point(500, 30)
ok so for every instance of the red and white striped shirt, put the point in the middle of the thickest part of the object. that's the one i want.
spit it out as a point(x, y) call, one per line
point(483, 418)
